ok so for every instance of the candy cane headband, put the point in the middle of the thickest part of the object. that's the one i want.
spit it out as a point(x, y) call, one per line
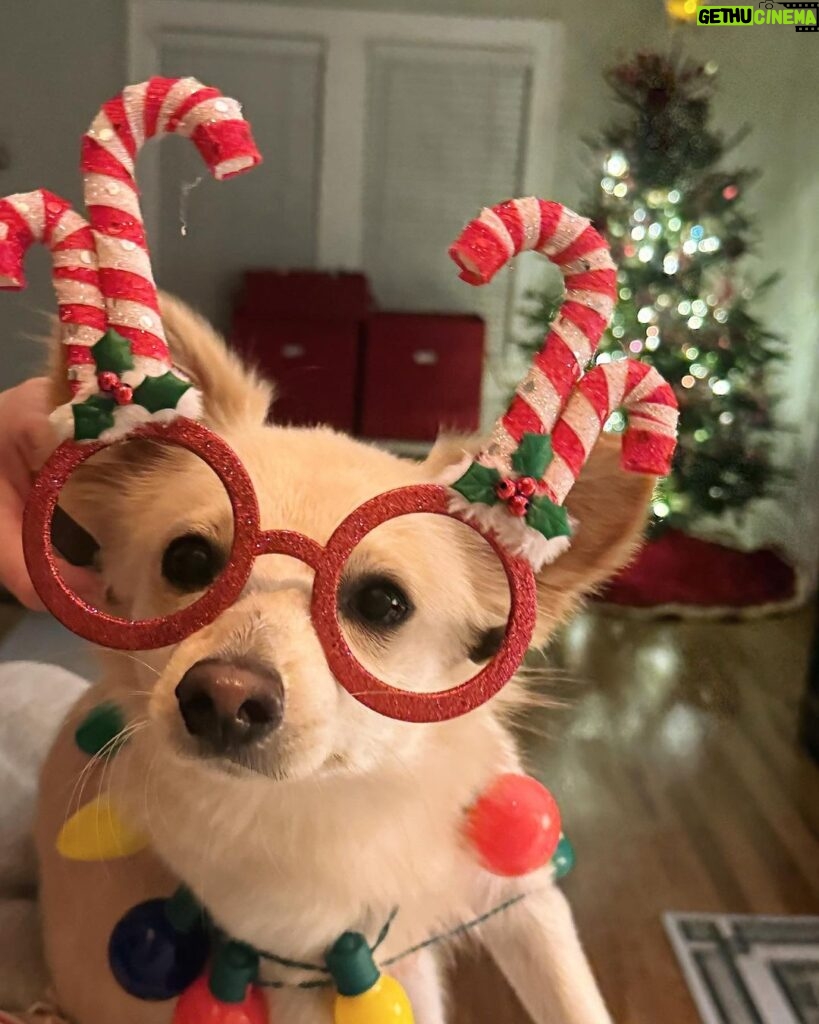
point(517, 484)
point(119, 367)
point(123, 382)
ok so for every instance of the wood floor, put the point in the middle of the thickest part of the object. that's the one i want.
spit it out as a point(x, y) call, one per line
point(675, 762)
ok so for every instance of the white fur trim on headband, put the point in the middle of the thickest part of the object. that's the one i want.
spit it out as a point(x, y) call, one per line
point(514, 534)
point(127, 417)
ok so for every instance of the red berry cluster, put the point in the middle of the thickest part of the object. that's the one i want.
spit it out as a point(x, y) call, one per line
point(109, 382)
point(517, 493)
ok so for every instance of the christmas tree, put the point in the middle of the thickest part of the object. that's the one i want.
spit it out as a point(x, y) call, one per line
point(678, 230)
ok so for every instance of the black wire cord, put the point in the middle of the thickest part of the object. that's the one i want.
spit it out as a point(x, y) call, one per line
point(433, 940)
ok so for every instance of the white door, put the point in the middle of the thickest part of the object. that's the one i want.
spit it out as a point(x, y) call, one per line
point(382, 134)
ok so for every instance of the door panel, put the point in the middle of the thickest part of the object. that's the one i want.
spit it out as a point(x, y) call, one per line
point(445, 135)
point(266, 218)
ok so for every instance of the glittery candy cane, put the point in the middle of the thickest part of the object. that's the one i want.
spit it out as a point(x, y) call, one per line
point(43, 217)
point(582, 255)
point(518, 482)
point(134, 363)
point(650, 436)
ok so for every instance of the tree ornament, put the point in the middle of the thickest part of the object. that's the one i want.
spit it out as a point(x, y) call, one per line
point(514, 825)
point(100, 729)
point(159, 948)
point(365, 996)
point(682, 10)
point(229, 995)
point(96, 833)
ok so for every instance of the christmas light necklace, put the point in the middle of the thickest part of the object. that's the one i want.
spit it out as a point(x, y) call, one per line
point(160, 948)
point(350, 966)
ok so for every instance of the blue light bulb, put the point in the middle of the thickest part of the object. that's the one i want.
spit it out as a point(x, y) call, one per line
point(151, 957)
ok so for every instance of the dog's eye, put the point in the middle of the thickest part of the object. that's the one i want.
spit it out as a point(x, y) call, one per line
point(191, 562)
point(377, 601)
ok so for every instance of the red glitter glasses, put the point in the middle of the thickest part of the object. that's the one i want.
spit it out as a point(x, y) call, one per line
point(121, 374)
point(249, 542)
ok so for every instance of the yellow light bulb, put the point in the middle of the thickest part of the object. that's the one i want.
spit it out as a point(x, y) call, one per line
point(96, 833)
point(682, 10)
point(385, 1003)
point(365, 995)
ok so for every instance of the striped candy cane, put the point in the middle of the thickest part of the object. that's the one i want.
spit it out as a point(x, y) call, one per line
point(44, 217)
point(123, 367)
point(517, 484)
point(584, 260)
point(181, 106)
point(650, 437)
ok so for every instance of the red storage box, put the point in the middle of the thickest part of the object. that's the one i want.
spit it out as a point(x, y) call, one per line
point(303, 329)
point(305, 293)
point(314, 365)
point(422, 374)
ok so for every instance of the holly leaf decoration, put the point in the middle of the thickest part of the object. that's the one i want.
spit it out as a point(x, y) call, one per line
point(548, 518)
point(93, 416)
point(478, 484)
point(113, 352)
point(164, 392)
point(533, 455)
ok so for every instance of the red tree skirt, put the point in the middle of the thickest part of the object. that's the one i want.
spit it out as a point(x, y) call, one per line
point(680, 575)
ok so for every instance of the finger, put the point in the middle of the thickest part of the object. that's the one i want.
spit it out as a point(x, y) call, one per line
point(14, 575)
point(36, 438)
point(13, 572)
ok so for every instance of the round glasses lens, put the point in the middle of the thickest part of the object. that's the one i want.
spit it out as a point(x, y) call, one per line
point(423, 602)
point(142, 529)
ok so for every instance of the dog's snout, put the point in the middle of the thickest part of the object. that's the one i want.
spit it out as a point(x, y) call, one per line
point(230, 704)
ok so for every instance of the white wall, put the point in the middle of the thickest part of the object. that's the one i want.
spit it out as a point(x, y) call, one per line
point(59, 60)
point(58, 63)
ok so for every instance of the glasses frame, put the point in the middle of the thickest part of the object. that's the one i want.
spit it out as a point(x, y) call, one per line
point(249, 542)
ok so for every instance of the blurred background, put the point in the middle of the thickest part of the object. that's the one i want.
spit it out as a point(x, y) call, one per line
point(385, 125)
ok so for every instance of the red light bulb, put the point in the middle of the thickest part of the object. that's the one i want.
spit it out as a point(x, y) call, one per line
point(198, 1005)
point(514, 825)
point(228, 996)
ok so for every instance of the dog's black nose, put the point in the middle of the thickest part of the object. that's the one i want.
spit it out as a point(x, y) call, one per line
point(230, 704)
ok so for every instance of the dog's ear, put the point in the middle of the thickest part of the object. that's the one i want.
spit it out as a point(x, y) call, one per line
point(232, 393)
point(609, 508)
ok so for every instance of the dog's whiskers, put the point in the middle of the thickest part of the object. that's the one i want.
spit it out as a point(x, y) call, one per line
point(138, 661)
point(103, 754)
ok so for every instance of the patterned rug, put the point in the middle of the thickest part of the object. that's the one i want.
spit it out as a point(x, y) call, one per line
point(749, 970)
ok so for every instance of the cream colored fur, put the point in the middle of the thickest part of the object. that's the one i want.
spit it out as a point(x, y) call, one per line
point(345, 813)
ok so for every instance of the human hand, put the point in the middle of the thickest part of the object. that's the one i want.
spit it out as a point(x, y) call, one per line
point(26, 440)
